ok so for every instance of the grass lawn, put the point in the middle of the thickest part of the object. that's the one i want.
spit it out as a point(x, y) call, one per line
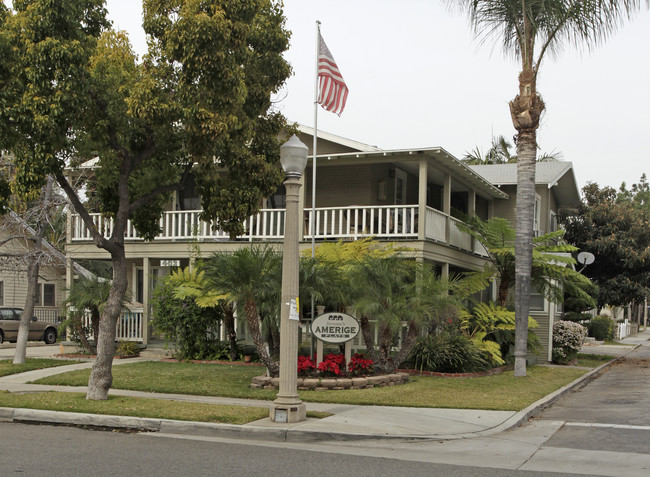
point(592, 360)
point(136, 407)
point(7, 367)
point(500, 392)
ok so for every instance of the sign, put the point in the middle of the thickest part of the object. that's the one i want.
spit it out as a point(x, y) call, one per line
point(335, 327)
point(293, 310)
point(170, 263)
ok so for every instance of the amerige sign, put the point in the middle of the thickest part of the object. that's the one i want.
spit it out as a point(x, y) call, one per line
point(335, 327)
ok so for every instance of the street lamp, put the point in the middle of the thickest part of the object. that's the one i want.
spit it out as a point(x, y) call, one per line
point(288, 407)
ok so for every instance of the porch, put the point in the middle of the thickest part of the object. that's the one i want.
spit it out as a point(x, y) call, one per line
point(385, 222)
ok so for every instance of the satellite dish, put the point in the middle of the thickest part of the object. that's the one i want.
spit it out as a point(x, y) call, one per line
point(586, 258)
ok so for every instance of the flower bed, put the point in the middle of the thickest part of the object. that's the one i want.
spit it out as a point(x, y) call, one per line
point(329, 384)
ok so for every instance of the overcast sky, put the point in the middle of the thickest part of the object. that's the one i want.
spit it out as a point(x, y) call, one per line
point(418, 78)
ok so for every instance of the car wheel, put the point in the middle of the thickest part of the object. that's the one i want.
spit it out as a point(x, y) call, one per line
point(49, 336)
point(2, 337)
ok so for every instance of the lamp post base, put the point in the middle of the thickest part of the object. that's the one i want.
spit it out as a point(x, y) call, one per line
point(288, 413)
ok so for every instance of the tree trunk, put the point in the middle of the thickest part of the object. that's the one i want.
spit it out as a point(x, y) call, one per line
point(32, 274)
point(28, 310)
point(368, 338)
point(101, 377)
point(81, 333)
point(254, 327)
point(525, 111)
point(407, 345)
point(229, 324)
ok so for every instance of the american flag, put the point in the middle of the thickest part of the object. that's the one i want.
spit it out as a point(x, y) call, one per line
point(332, 90)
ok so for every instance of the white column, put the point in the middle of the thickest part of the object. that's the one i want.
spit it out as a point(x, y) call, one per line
point(146, 272)
point(446, 206)
point(422, 200)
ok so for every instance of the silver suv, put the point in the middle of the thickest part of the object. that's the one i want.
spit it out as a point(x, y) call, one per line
point(38, 330)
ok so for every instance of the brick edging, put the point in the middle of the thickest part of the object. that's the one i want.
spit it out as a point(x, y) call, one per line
point(328, 384)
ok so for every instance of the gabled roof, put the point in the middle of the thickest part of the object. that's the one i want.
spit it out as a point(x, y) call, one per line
point(349, 143)
point(558, 175)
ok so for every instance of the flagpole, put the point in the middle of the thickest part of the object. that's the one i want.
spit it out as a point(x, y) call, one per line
point(313, 175)
point(314, 149)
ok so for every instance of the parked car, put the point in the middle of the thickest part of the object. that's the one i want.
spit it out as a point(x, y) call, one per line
point(38, 330)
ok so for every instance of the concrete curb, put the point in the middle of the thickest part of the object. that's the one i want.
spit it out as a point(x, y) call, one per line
point(279, 432)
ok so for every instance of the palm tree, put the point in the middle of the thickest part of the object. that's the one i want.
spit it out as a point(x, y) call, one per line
point(529, 29)
point(500, 153)
point(393, 292)
point(552, 270)
point(87, 295)
point(245, 277)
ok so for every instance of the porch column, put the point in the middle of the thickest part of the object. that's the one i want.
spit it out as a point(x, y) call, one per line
point(490, 211)
point(134, 282)
point(471, 211)
point(444, 271)
point(146, 271)
point(422, 200)
point(446, 206)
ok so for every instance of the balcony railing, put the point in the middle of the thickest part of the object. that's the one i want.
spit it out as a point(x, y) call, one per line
point(330, 223)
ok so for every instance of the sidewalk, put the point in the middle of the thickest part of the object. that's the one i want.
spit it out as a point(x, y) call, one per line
point(348, 422)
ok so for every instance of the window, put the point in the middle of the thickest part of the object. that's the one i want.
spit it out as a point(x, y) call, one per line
point(2, 293)
point(49, 294)
point(39, 294)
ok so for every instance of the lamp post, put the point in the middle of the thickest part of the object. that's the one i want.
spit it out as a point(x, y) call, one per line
point(288, 407)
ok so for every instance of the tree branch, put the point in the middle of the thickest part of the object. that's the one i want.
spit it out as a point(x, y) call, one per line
point(160, 190)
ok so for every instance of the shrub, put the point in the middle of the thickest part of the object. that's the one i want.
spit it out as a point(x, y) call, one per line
point(306, 366)
point(447, 353)
point(332, 365)
point(191, 327)
point(360, 366)
point(602, 328)
point(568, 338)
point(127, 348)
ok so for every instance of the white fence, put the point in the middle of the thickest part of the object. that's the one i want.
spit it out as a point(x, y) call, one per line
point(129, 325)
point(626, 329)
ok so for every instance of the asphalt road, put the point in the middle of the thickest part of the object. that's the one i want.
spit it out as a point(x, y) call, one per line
point(30, 450)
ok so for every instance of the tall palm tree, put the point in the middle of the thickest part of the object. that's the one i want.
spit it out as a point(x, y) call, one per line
point(529, 29)
point(499, 153)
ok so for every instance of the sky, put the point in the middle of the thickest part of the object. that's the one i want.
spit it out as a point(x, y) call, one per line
point(418, 78)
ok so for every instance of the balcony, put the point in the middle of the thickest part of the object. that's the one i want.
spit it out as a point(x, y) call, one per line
point(393, 222)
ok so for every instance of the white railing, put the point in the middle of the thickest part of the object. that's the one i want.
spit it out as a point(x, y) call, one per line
point(49, 315)
point(129, 325)
point(354, 222)
point(436, 228)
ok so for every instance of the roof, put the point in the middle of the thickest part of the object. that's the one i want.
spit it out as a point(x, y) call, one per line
point(458, 169)
point(359, 146)
point(556, 175)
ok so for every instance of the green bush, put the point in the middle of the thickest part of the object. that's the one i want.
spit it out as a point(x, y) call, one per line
point(576, 317)
point(192, 328)
point(602, 328)
point(447, 353)
point(127, 348)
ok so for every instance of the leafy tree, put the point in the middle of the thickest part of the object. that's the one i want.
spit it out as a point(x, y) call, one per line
point(619, 237)
point(529, 29)
point(197, 102)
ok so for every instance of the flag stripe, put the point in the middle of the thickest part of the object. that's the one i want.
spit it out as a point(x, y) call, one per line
point(332, 90)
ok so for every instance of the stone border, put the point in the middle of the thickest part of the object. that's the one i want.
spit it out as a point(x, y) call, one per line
point(479, 374)
point(329, 384)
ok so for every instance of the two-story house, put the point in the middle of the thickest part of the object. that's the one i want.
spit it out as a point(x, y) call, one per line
point(409, 196)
